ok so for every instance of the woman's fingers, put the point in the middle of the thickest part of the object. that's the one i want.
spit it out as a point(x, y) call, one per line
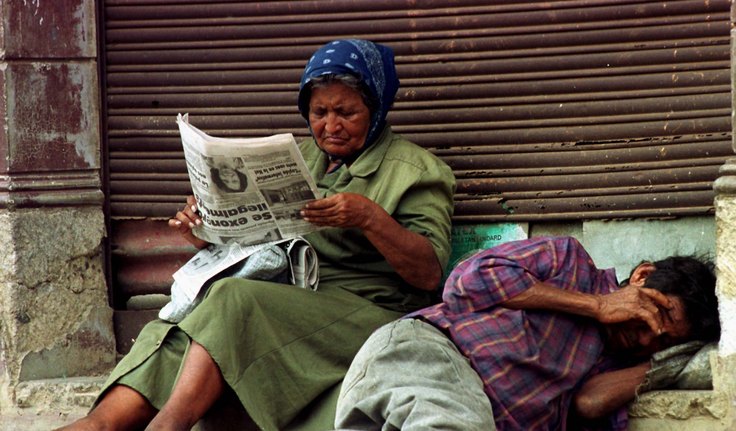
point(187, 218)
point(175, 223)
point(341, 210)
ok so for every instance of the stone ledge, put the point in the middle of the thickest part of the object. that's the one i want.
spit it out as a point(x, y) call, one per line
point(680, 405)
point(58, 395)
point(22, 420)
point(44, 405)
point(50, 403)
point(680, 410)
point(695, 424)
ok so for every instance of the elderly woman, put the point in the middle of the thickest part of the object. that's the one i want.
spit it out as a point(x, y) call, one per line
point(387, 205)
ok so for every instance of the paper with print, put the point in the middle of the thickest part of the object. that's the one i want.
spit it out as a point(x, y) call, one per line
point(249, 193)
point(248, 190)
point(302, 264)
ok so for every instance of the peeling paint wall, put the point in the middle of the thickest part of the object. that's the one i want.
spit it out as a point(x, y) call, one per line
point(52, 286)
point(55, 129)
point(55, 322)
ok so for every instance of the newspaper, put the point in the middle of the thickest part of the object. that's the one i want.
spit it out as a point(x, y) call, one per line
point(248, 190)
point(249, 193)
point(212, 260)
point(286, 261)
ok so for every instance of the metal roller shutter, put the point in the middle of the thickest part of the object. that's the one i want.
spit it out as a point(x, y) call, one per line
point(545, 110)
point(540, 107)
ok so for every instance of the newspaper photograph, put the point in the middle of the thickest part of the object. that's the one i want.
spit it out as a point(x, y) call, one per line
point(248, 190)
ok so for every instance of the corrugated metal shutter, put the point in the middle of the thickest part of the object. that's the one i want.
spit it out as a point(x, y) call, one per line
point(545, 110)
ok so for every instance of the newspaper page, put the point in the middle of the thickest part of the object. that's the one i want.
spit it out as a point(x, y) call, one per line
point(248, 190)
point(249, 193)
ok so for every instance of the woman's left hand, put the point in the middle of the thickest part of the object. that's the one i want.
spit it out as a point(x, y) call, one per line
point(343, 210)
point(409, 253)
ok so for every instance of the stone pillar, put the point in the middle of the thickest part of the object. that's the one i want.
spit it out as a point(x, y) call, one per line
point(724, 370)
point(724, 365)
point(55, 322)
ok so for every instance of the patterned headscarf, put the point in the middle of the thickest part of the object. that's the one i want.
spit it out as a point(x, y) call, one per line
point(371, 63)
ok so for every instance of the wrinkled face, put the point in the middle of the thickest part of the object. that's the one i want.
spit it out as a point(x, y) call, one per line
point(339, 119)
point(230, 178)
point(638, 339)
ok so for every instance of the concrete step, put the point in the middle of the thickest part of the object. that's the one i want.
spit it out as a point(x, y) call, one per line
point(28, 420)
point(47, 404)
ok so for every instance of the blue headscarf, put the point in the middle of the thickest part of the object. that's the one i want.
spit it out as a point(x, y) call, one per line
point(372, 63)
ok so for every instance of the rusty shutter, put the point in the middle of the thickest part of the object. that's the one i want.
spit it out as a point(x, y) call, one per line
point(545, 110)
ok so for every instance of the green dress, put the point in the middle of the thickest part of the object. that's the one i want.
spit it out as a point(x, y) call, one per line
point(281, 349)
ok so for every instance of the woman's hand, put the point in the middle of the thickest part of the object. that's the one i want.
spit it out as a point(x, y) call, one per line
point(633, 303)
point(410, 254)
point(343, 210)
point(185, 220)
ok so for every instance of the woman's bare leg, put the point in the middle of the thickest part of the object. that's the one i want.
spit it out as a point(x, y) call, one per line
point(198, 387)
point(122, 408)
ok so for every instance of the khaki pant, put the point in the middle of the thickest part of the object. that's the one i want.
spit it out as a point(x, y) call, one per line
point(409, 376)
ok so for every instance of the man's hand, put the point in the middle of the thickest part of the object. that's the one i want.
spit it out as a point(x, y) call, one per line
point(606, 392)
point(633, 303)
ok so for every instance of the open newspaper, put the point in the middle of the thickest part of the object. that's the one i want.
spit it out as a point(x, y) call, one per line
point(249, 192)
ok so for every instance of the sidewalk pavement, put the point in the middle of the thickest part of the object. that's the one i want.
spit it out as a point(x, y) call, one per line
point(22, 420)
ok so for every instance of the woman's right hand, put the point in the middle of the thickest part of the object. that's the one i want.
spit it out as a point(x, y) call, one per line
point(185, 220)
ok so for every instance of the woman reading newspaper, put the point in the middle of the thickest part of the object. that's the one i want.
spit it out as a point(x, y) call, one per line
point(283, 351)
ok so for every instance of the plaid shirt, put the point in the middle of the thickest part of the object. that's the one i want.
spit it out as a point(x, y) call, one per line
point(530, 361)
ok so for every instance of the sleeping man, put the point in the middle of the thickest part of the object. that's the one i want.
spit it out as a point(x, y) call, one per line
point(530, 335)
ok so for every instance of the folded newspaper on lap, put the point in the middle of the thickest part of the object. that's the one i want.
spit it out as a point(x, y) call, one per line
point(287, 261)
point(207, 263)
point(249, 193)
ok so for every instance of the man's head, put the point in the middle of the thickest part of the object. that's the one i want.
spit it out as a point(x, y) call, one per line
point(694, 282)
point(689, 284)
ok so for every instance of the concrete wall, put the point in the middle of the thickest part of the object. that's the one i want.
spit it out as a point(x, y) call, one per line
point(619, 244)
point(55, 323)
point(624, 244)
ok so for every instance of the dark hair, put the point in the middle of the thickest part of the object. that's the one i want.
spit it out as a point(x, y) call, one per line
point(693, 280)
point(218, 181)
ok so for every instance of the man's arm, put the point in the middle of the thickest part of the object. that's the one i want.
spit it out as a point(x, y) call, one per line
point(628, 303)
point(606, 392)
point(493, 276)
